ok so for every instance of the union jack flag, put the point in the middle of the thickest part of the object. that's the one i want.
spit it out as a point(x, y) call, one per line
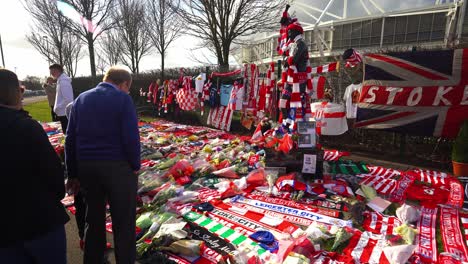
point(419, 93)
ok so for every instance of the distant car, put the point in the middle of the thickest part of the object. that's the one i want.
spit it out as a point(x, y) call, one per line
point(30, 93)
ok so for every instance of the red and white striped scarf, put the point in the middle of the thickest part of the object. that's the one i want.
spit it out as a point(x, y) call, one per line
point(451, 234)
point(382, 172)
point(206, 95)
point(464, 221)
point(426, 238)
point(283, 228)
point(220, 117)
point(295, 78)
point(270, 85)
point(325, 68)
point(334, 155)
point(354, 59)
point(380, 224)
point(383, 180)
point(365, 247)
point(384, 186)
point(435, 178)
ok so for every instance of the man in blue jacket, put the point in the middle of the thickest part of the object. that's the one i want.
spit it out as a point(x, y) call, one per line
point(102, 153)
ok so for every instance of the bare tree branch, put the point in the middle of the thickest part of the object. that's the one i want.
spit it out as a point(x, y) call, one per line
point(109, 51)
point(221, 22)
point(50, 35)
point(73, 53)
point(96, 20)
point(132, 30)
point(166, 26)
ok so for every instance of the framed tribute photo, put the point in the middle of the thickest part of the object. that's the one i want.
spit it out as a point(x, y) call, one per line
point(307, 134)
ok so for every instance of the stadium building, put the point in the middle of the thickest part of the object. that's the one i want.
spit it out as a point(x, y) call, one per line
point(437, 25)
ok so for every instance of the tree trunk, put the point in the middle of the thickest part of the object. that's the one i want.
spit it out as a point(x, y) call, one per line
point(162, 66)
point(224, 63)
point(91, 55)
point(224, 67)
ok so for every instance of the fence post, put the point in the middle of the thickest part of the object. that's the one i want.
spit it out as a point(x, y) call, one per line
point(340, 87)
point(277, 91)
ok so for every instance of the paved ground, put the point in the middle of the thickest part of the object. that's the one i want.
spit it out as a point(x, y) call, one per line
point(368, 159)
point(35, 99)
point(74, 253)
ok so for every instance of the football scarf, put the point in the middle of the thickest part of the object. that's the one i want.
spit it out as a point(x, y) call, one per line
point(364, 247)
point(228, 234)
point(270, 86)
point(325, 68)
point(217, 244)
point(293, 219)
point(293, 204)
point(457, 195)
point(220, 117)
point(426, 239)
point(434, 178)
point(382, 172)
point(207, 194)
point(464, 221)
point(334, 155)
point(382, 185)
point(254, 221)
point(380, 224)
point(295, 212)
point(325, 203)
point(348, 167)
point(228, 220)
point(205, 96)
point(404, 183)
point(451, 233)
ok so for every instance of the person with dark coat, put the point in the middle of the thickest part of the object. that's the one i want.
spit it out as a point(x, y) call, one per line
point(32, 185)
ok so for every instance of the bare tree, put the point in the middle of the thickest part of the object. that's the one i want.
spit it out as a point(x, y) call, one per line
point(132, 29)
point(166, 26)
point(110, 50)
point(74, 53)
point(50, 35)
point(95, 20)
point(220, 22)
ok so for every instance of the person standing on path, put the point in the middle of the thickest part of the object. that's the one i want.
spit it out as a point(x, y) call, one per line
point(102, 154)
point(64, 94)
point(32, 225)
point(51, 90)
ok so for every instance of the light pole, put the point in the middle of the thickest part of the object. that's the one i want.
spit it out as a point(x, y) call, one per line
point(1, 51)
point(47, 48)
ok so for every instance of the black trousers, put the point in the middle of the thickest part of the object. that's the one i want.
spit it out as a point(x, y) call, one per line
point(64, 122)
point(80, 214)
point(115, 182)
point(53, 114)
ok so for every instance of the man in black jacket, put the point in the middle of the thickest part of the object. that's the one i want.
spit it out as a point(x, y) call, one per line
point(32, 185)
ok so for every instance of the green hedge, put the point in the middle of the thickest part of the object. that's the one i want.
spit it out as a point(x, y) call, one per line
point(460, 145)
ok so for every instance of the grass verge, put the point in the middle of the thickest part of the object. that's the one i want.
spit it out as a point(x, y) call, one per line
point(39, 111)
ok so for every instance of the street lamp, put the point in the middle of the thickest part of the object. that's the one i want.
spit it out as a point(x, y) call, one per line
point(47, 48)
point(1, 51)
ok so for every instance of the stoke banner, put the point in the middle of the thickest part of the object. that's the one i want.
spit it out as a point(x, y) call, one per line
point(419, 93)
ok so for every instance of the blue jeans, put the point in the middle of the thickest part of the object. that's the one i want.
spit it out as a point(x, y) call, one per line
point(50, 248)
